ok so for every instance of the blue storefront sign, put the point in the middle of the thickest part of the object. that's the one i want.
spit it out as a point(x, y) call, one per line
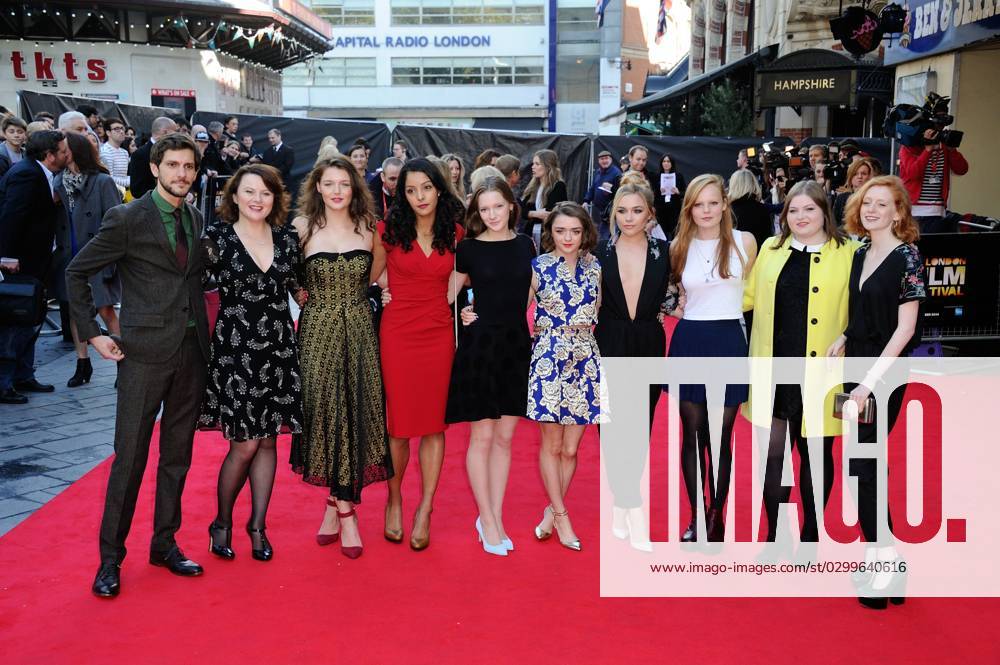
point(937, 26)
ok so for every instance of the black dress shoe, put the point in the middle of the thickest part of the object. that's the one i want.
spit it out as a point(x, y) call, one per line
point(33, 386)
point(175, 561)
point(11, 396)
point(107, 584)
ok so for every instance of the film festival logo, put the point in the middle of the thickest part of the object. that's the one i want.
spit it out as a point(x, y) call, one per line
point(924, 493)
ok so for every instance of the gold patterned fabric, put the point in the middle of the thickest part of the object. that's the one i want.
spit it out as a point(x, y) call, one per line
point(343, 444)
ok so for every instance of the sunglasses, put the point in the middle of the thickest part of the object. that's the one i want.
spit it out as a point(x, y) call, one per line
point(781, 178)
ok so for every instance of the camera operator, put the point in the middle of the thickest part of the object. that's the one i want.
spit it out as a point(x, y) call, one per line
point(926, 173)
point(926, 169)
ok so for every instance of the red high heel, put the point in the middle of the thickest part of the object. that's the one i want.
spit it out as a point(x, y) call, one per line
point(350, 552)
point(324, 539)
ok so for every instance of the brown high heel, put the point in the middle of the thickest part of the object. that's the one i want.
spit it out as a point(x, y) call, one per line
point(418, 544)
point(323, 539)
point(390, 535)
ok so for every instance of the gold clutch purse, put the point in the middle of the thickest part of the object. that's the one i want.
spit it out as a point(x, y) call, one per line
point(866, 416)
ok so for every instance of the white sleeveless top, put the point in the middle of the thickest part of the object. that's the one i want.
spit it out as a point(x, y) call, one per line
point(709, 297)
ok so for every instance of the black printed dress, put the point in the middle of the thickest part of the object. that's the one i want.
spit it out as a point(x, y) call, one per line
point(254, 387)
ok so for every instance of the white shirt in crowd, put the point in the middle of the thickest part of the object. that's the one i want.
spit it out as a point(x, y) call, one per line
point(116, 160)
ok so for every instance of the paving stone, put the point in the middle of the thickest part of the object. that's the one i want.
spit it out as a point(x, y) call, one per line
point(20, 452)
point(73, 473)
point(21, 486)
point(41, 496)
point(94, 453)
point(8, 523)
point(84, 427)
point(77, 442)
point(35, 460)
point(25, 439)
point(10, 507)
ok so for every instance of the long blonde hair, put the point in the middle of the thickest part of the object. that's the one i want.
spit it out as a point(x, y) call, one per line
point(686, 229)
point(552, 175)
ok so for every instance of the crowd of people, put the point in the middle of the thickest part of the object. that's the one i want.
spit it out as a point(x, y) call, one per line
point(459, 263)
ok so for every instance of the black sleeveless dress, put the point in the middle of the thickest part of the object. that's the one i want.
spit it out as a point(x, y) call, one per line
point(489, 376)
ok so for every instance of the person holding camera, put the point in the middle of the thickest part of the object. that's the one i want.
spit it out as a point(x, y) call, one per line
point(926, 173)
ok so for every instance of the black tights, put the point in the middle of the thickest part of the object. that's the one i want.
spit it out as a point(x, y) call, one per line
point(775, 493)
point(695, 445)
point(256, 459)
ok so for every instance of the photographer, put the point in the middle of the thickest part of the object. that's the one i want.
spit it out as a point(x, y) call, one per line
point(926, 169)
point(926, 173)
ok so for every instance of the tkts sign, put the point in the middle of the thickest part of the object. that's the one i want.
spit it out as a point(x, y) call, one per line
point(41, 67)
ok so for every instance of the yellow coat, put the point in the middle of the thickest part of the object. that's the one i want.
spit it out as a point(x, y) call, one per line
point(828, 299)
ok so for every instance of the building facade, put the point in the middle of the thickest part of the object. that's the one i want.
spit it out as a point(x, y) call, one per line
point(465, 63)
point(213, 55)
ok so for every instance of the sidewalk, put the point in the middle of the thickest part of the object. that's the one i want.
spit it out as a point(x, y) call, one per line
point(54, 439)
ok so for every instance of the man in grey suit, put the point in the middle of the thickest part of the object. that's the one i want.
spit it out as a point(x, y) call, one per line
point(162, 353)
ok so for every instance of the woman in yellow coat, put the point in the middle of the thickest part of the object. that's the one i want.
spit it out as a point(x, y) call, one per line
point(798, 292)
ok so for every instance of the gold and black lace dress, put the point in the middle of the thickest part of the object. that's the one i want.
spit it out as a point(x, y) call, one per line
point(343, 444)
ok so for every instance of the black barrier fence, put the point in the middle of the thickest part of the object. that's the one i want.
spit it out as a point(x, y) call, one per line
point(139, 117)
point(574, 150)
point(304, 135)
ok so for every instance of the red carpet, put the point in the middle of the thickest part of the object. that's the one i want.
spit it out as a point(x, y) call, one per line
point(449, 604)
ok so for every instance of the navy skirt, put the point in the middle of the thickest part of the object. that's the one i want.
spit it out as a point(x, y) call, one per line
point(710, 339)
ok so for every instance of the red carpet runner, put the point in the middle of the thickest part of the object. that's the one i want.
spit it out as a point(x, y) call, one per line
point(449, 604)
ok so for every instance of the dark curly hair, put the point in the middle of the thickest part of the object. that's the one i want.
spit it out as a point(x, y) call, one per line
point(401, 222)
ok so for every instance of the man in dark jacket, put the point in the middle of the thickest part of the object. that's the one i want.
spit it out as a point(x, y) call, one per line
point(599, 195)
point(27, 231)
point(383, 185)
point(140, 176)
point(280, 156)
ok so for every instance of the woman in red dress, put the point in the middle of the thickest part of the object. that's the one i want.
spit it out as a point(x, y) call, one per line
point(418, 333)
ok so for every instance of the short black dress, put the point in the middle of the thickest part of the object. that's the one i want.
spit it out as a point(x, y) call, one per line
point(254, 387)
point(489, 376)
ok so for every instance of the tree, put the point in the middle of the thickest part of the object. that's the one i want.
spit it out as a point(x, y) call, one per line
point(725, 111)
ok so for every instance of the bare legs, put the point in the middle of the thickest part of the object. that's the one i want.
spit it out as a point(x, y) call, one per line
point(431, 456)
point(557, 463)
point(488, 464)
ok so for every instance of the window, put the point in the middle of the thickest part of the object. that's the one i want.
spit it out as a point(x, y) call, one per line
point(466, 12)
point(332, 72)
point(469, 71)
point(344, 12)
point(577, 78)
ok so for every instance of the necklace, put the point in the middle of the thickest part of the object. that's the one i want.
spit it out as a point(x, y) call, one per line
point(708, 262)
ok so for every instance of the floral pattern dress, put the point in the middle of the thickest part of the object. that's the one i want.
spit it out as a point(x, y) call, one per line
point(564, 378)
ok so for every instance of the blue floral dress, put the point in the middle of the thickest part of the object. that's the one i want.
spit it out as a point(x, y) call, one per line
point(564, 379)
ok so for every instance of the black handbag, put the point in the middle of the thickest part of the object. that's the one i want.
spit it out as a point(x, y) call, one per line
point(22, 301)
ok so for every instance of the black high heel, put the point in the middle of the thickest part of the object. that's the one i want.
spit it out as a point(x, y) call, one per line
point(221, 551)
point(265, 553)
point(84, 370)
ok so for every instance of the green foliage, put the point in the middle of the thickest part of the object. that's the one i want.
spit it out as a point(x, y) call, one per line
point(725, 111)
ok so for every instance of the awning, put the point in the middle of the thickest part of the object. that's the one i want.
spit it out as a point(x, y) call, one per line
point(653, 101)
point(678, 74)
point(821, 77)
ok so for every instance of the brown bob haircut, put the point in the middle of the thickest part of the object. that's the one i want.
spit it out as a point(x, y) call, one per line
point(474, 224)
point(228, 210)
point(570, 209)
point(175, 141)
point(905, 228)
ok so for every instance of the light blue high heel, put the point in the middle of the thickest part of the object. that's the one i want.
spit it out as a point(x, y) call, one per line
point(508, 543)
point(499, 550)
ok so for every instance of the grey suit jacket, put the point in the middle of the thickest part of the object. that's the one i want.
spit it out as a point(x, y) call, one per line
point(157, 297)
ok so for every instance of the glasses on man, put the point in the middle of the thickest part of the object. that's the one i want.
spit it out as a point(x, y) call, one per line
point(117, 129)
